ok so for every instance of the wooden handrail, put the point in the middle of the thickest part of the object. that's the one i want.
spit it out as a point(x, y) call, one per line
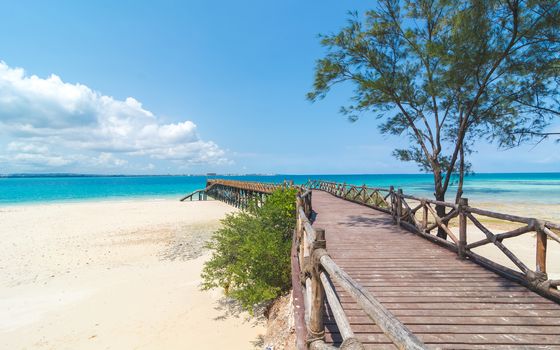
point(401, 336)
point(336, 308)
point(261, 187)
point(404, 214)
point(202, 193)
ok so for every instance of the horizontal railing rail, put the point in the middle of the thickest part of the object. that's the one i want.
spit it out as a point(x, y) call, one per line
point(202, 194)
point(262, 187)
point(420, 216)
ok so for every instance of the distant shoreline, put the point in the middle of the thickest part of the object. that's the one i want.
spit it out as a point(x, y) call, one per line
point(10, 176)
point(51, 175)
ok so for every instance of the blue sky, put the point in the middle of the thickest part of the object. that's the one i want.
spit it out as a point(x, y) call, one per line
point(189, 87)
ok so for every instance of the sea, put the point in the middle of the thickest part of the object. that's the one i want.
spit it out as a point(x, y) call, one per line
point(527, 188)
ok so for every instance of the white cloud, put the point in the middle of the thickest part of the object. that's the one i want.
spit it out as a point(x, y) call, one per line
point(20, 147)
point(41, 114)
point(107, 159)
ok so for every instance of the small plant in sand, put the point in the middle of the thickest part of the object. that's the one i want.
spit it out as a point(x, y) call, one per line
point(251, 252)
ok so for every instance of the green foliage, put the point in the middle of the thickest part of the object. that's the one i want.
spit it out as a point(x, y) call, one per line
point(445, 73)
point(251, 252)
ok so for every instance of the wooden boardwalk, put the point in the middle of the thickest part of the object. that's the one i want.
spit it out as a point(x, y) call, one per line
point(448, 303)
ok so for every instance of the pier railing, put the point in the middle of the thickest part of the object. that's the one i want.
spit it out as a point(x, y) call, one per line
point(318, 272)
point(242, 194)
point(419, 216)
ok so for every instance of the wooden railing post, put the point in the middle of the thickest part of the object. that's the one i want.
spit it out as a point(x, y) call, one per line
point(393, 204)
point(541, 247)
point(316, 326)
point(300, 234)
point(424, 215)
point(399, 206)
point(309, 204)
point(364, 193)
point(462, 207)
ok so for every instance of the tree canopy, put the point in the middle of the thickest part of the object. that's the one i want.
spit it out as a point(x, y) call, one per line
point(446, 73)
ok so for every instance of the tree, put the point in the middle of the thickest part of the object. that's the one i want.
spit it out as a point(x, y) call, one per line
point(448, 73)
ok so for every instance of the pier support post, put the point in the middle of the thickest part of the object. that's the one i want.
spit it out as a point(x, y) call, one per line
point(463, 203)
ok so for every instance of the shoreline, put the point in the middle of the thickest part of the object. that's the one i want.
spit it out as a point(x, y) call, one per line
point(530, 209)
point(108, 199)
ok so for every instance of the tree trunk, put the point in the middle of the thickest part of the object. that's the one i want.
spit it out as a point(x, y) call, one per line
point(461, 175)
point(441, 212)
point(440, 196)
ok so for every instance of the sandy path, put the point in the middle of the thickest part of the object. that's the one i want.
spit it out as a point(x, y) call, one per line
point(113, 275)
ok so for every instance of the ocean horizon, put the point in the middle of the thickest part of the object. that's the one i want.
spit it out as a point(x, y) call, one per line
point(538, 188)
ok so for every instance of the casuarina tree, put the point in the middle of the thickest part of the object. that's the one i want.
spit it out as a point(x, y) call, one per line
point(446, 74)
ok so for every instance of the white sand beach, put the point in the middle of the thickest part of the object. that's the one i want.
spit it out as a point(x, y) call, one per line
point(126, 275)
point(114, 275)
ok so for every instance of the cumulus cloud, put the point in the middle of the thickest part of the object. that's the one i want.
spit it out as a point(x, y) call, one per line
point(42, 114)
point(33, 156)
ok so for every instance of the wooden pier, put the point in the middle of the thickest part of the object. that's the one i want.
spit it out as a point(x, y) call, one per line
point(239, 194)
point(369, 272)
point(446, 302)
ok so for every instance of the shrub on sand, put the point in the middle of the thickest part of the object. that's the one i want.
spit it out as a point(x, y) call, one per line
point(251, 251)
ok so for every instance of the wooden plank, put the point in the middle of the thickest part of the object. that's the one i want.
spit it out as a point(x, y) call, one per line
point(480, 339)
point(434, 305)
point(451, 293)
point(429, 299)
point(461, 329)
point(356, 310)
point(465, 320)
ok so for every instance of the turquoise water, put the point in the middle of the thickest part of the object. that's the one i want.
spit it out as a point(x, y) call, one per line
point(541, 188)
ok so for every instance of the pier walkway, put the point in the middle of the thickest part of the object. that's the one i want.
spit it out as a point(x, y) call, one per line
point(446, 302)
point(374, 268)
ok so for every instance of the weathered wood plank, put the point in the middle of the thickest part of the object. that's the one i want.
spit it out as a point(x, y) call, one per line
point(466, 329)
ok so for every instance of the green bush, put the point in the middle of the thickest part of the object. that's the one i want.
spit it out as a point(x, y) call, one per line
point(251, 252)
